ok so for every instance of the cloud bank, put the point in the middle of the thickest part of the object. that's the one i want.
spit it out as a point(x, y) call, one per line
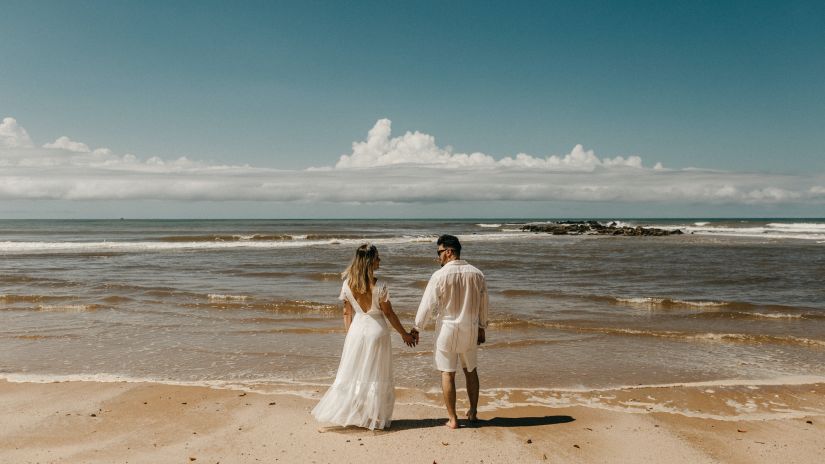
point(408, 168)
point(417, 149)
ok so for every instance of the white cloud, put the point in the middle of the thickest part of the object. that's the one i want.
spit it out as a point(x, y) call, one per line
point(416, 148)
point(382, 168)
point(65, 143)
point(12, 135)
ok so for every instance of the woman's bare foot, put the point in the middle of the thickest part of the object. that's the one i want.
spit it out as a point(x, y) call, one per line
point(452, 423)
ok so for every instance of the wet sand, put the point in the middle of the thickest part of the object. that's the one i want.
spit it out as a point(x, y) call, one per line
point(148, 423)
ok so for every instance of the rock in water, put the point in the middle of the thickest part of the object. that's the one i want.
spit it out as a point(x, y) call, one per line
point(596, 228)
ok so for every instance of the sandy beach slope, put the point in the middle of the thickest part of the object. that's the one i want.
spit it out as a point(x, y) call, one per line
point(78, 422)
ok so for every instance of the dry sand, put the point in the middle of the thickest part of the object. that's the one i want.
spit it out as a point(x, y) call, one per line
point(77, 422)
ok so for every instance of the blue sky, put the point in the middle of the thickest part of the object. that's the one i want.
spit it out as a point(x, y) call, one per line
point(732, 87)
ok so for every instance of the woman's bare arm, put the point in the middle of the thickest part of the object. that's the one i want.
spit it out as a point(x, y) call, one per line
point(347, 315)
point(386, 308)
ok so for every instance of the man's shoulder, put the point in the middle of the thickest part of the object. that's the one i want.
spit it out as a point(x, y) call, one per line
point(467, 267)
point(462, 267)
point(437, 276)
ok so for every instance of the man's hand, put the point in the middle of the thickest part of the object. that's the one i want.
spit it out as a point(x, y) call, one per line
point(409, 340)
point(482, 337)
point(415, 335)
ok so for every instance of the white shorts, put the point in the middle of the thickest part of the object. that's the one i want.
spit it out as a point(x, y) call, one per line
point(447, 361)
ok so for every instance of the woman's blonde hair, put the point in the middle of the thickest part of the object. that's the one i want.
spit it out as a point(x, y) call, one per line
point(359, 273)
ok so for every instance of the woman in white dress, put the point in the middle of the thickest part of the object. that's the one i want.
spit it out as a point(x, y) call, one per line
point(363, 393)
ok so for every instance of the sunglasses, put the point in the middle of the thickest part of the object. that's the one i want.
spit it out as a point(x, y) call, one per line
point(438, 252)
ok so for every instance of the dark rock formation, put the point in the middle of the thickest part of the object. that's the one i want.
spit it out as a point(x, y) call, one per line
point(596, 228)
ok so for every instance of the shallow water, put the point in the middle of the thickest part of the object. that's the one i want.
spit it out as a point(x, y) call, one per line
point(254, 302)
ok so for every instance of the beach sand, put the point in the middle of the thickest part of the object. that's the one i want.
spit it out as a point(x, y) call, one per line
point(76, 422)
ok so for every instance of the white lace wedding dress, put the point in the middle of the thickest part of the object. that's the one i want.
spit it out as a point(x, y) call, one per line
point(363, 393)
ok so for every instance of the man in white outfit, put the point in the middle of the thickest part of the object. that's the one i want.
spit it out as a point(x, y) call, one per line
point(458, 294)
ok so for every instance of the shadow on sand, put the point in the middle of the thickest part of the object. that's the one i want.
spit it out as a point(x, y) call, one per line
point(409, 424)
point(523, 421)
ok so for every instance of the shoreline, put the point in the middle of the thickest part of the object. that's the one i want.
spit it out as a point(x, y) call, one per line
point(77, 421)
point(789, 397)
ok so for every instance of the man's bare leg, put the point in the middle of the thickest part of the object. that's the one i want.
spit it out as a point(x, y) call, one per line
point(448, 388)
point(472, 392)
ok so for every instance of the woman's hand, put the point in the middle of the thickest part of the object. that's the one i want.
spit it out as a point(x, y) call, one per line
point(409, 340)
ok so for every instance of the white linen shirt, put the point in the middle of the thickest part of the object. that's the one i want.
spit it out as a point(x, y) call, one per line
point(458, 293)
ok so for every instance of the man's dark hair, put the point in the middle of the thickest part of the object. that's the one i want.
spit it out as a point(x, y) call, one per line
point(450, 241)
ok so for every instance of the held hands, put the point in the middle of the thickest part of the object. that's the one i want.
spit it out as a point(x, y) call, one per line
point(482, 337)
point(415, 335)
point(409, 339)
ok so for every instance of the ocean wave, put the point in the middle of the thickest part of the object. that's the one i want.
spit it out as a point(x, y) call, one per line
point(779, 316)
point(491, 226)
point(520, 343)
point(290, 330)
point(621, 224)
point(649, 302)
point(223, 297)
point(69, 308)
point(788, 380)
point(753, 338)
point(729, 400)
point(734, 308)
point(754, 229)
point(324, 276)
point(223, 238)
point(688, 336)
point(798, 231)
point(147, 246)
point(150, 246)
point(350, 237)
point(799, 226)
point(311, 240)
point(287, 306)
point(721, 309)
point(569, 326)
point(767, 232)
point(247, 386)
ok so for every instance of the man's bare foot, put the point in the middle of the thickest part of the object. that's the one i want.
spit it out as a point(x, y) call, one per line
point(452, 423)
point(472, 415)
